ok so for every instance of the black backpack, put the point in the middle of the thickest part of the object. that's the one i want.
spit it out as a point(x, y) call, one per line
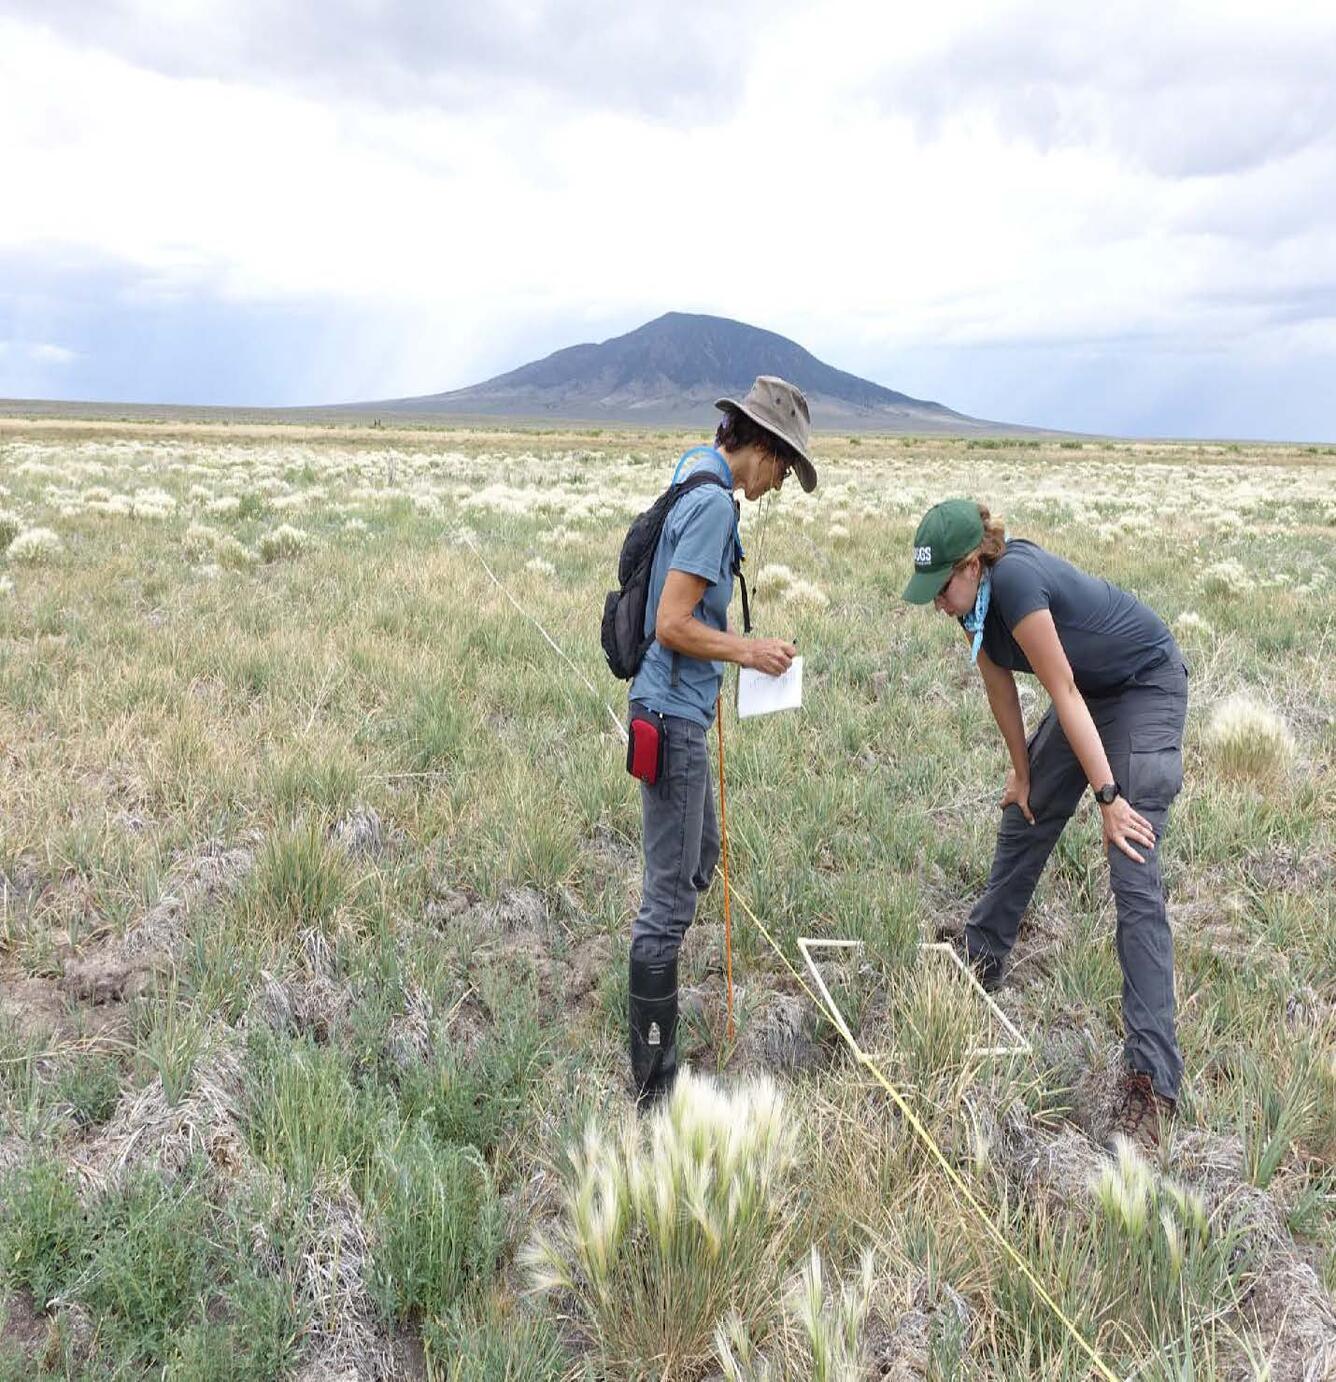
point(623, 632)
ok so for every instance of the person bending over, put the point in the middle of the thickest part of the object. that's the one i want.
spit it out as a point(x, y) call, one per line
point(1119, 690)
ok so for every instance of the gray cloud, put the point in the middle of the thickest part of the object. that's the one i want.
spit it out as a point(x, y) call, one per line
point(656, 59)
point(1179, 100)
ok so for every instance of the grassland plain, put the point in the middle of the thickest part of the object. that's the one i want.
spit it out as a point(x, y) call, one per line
point(316, 870)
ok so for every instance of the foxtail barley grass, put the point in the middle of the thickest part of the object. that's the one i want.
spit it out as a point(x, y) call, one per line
point(1248, 739)
point(670, 1223)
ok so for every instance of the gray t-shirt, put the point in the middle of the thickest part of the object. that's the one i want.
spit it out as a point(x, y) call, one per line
point(1109, 636)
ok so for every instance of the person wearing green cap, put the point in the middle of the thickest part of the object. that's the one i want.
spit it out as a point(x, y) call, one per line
point(1118, 685)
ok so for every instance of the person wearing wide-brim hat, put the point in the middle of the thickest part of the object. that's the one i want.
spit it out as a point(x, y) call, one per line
point(760, 439)
point(1119, 693)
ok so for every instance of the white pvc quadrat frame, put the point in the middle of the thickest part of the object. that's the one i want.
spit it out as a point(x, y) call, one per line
point(807, 944)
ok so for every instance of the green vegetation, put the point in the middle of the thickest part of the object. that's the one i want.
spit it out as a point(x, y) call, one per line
point(318, 865)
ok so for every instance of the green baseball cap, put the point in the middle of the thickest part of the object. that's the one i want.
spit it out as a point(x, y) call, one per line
point(949, 530)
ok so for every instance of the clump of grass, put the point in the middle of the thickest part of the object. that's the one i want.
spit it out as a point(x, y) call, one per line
point(774, 578)
point(149, 1265)
point(199, 541)
point(1190, 622)
point(435, 731)
point(172, 1038)
point(1248, 740)
point(301, 881)
point(828, 1322)
point(804, 592)
point(42, 1229)
point(438, 1226)
point(89, 1088)
point(34, 546)
point(1157, 1248)
point(1228, 578)
point(145, 1259)
point(669, 1224)
point(231, 552)
point(303, 1115)
point(283, 542)
point(475, 1098)
point(934, 1017)
point(472, 1343)
point(11, 525)
point(1274, 1114)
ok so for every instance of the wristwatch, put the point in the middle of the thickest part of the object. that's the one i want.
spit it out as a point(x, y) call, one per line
point(1106, 794)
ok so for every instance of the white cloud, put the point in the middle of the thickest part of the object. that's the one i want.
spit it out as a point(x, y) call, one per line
point(39, 352)
point(867, 179)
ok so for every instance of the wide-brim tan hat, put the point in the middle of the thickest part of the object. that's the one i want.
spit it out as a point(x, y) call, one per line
point(781, 408)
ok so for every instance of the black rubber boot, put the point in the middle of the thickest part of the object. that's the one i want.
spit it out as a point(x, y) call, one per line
point(653, 1023)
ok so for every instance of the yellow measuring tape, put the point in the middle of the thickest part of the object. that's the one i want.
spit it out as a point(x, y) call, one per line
point(837, 1022)
point(930, 1143)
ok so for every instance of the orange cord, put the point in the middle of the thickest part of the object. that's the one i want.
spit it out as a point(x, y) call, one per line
point(723, 851)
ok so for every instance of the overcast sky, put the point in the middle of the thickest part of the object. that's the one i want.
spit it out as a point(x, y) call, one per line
point(1110, 218)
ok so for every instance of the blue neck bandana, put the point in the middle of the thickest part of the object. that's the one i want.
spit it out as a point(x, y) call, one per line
point(973, 622)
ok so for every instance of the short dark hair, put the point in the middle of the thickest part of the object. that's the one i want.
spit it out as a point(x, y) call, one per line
point(737, 430)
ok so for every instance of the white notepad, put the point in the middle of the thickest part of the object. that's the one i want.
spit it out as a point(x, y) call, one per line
point(759, 694)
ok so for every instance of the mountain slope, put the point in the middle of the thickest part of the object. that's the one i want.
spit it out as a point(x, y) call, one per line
point(672, 369)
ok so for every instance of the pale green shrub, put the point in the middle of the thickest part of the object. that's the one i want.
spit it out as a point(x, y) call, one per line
point(199, 541)
point(1190, 622)
point(672, 1222)
point(282, 542)
point(804, 592)
point(230, 552)
point(1227, 578)
point(33, 546)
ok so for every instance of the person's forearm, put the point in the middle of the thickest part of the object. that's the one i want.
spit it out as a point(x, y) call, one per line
point(1074, 717)
point(693, 638)
point(1006, 707)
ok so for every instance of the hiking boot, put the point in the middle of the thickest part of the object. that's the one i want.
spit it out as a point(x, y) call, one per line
point(985, 969)
point(1140, 1114)
point(653, 1028)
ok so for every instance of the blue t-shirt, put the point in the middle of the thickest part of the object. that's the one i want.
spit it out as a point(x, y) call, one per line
point(698, 538)
point(1109, 636)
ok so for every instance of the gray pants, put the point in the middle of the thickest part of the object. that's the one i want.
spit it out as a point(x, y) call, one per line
point(680, 841)
point(1141, 728)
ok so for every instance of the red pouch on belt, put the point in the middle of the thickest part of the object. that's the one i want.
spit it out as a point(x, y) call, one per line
point(646, 745)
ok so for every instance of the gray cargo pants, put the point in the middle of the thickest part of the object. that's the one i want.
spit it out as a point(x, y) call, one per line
point(1141, 728)
point(680, 843)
